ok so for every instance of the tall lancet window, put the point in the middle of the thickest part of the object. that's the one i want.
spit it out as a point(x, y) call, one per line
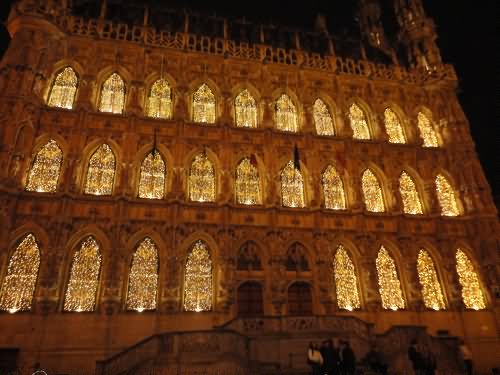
point(19, 283)
point(393, 127)
point(143, 279)
point(409, 195)
point(427, 132)
point(472, 294)
point(388, 281)
point(245, 110)
point(248, 182)
point(428, 277)
point(152, 176)
point(346, 282)
point(112, 94)
point(286, 115)
point(333, 189)
point(62, 93)
point(198, 289)
point(322, 118)
point(81, 293)
point(201, 181)
point(358, 121)
point(372, 192)
point(101, 172)
point(292, 186)
point(160, 100)
point(45, 169)
point(446, 197)
point(204, 105)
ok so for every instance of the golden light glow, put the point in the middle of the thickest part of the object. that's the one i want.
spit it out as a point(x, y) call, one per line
point(84, 277)
point(322, 118)
point(431, 287)
point(63, 90)
point(201, 182)
point(346, 283)
point(388, 281)
point(152, 176)
point(101, 172)
point(472, 294)
point(333, 189)
point(160, 100)
point(198, 290)
point(204, 105)
point(45, 169)
point(245, 110)
point(286, 115)
point(19, 283)
point(427, 132)
point(393, 127)
point(358, 121)
point(112, 94)
point(446, 197)
point(372, 193)
point(247, 183)
point(409, 195)
point(292, 186)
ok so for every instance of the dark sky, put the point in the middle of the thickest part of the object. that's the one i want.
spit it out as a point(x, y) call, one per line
point(468, 38)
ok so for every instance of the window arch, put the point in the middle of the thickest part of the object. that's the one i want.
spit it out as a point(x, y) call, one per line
point(372, 192)
point(204, 105)
point(428, 277)
point(248, 257)
point(19, 283)
point(101, 171)
point(446, 197)
point(388, 281)
point(160, 100)
point(143, 278)
point(472, 294)
point(358, 122)
point(245, 108)
point(45, 169)
point(201, 181)
point(81, 293)
point(63, 91)
point(333, 189)
point(112, 94)
point(198, 289)
point(296, 258)
point(427, 132)
point(393, 127)
point(250, 301)
point(286, 114)
point(346, 282)
point(292, 186)
point(300, 299)
point(409, 195)
point(248, 182)
point(152, 176)
point(322, 118)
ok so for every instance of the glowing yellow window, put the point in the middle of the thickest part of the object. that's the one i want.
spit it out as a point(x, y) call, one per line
point(160, 100)
point(346, 282)
point(152, 176)
point(446, 197)
point(245, 110)
point(204, 105)
point(409, 195)
point(472, 294)
point(248, 182)
point(292, 186)
point(198, 287)
point(62, 93)
point(101, 172)
point(388, 281)
point(333, 189)
point(45, 169)
point(429, 281)
point(286, 115)
point(201, 182)
point(427, 132)
point(372, 193)
point(358, 121)
point(322, 118)
point(393, 127)
point(112, 94)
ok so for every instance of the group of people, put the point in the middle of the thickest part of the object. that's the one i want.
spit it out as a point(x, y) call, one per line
point(331, 358)
point(423, 361)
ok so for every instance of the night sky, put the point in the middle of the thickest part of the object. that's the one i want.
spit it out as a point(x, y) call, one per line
point(468, 38)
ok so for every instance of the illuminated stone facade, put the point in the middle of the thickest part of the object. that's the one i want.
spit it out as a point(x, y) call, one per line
point(149, 183)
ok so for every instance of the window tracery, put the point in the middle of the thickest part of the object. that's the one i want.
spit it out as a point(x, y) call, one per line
point(431, 287)
point(201, 179)
point(472, 294)
point(160, 100)
point(358, 121)
point(247, 183)
point(204, 105)
point(300, 299)
point(112, 94)
point(296, 258)
point(446, 197)
point(333, 189)
point(248, 257)
point(372, 192)
point(393, 127)
point(250, 301)
point(388, 281)
point(198, 290)
point(409, 195)
point(246, 110)
point(292, 186)
point(45, 169)
point(101, 172)
point(286, 114)
point(152, 176)
point(63, 91)
point(322, 118)
point(427, 132)
point(346, 283)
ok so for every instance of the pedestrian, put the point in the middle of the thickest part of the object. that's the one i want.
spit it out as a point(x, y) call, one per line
point(348, 359)
point(429, 360)
point(466, 356)
point(415, 357)
point(330, 358)
point(314, 359)
point(375, 361)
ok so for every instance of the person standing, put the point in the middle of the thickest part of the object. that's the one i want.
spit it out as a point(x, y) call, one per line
point(466, 356)
point(314, 359)
point(348, 359)
point(330, 358)
point(415, 357)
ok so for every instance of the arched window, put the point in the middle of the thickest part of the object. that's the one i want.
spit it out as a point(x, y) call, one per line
point(346, 282)
point(101, 172)
point(292, 186)
point(201, 182)
point(296, 258)
point(388, 281)
point(358, 121)
point(112, 94)
point(152, 176)
point(393, 127)
point(83, 281)
point(322, 118)
point(245, 110)
point(248, 182)
point(198, 290)
point(286, 114)
point(248, 257)
point(409, 195)
point(446, 197)
point(427, 132)
point(204, 105)
point(143, 279)
point(19, 283)
point(333, 189)
point(250, 299)
point(160, 100)
point(300, 299)
point(472, 294)
point(45, 169)
point(431, 287)
point(62, 93)
point(372, 193)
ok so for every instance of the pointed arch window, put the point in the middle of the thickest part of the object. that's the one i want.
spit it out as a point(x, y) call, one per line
point(300, 299)
point(160, 100)
point(198, 289)
point(388, 281)
point(246, 110)
point(204, 105)
point(248, 182)
point(429, 281)
point(63, 91)
point(427, 132)
point(333, 189)
point(409, 195)
point(45, 169)
point(112, 94)
point(346, 282)
point(101, 172)
point(472, 294)
point(201, 179)
point(152, 176)
point(322, 118)
point(18, 287)
point(393, 127)
point(248, 257)
point(372, 192)
point(446, 197)
point(358, 122)
point(81, 292)
point(249, 297)
point(143, 279)
point(286, 114)
point(296, 258)
point(292, 186)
